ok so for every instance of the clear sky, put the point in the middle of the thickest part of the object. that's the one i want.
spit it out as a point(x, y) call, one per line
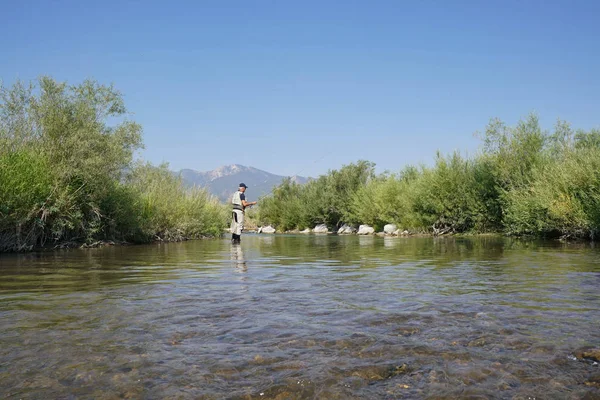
point(306, 86)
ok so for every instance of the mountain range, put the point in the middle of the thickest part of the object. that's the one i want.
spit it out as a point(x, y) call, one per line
point(224, 181)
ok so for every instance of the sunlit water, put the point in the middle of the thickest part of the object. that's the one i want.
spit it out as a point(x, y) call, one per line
point(292, 317)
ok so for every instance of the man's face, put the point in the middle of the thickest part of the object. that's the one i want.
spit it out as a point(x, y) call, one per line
point(242, 189)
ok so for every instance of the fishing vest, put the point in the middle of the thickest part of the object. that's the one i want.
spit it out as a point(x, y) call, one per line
point(236, 201)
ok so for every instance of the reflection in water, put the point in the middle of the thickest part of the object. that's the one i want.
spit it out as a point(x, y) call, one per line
point(315, 316)
point(237, 256)
point(390, 241)
point(267, 239)
point(366, 240)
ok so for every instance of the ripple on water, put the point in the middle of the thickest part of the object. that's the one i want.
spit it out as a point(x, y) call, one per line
point(297, 317)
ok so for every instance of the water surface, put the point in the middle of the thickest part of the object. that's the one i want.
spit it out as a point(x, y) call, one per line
point(295, 317)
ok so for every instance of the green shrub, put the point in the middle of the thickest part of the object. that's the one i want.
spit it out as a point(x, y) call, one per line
point(324, 200)
point(525, 181)
point(168, 211)
point(562, 199)
point(66, 175)
point(386, 199)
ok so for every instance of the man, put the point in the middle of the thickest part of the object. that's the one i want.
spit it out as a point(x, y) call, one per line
point(239, 206)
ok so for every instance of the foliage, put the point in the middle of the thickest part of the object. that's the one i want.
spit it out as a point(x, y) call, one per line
point(435, 204)
point(563, 198)
point(524, 181)
point(167, 210)
point(321, 201)
point(67, 175)
point(64, 175)
point(385, 199)
point(514, 152)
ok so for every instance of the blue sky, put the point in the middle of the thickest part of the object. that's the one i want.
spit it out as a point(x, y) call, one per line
point(307, 86)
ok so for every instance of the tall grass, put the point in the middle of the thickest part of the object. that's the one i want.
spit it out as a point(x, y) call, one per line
point(67, 176)
point(324, 200)
point(167, 210)
point(563, 198)
point(524, 180)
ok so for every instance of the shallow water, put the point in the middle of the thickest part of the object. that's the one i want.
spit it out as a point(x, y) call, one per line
point(291, 317)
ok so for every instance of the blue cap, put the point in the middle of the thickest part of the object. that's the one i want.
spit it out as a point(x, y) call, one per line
point(243, 185)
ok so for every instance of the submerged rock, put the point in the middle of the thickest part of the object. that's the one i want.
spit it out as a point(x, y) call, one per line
point(479, 342)
point(378, 372)
point(593, 380)
point(590, 354)
point(365, 230)
point(408, 331)
point(321, 228)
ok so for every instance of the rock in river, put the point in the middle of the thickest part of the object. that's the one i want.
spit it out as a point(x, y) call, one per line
point(587, 353)
point(266, 229)
point(346, 229)
point(593, 380)
point(390, 229)
point(321, 228)
point(365, 230)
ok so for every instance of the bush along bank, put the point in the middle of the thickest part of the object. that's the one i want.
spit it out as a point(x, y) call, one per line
point(68, 177)
point(523, 181)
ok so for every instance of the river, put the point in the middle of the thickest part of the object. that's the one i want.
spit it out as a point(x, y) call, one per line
point(302, 317)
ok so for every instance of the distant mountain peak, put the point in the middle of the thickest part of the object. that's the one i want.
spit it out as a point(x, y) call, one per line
point(225, 170)
point(223, 181)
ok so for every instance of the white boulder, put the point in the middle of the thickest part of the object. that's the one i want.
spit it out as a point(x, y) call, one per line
point(346, 229)
point(307, 230)
point(321, 228)
point(390, 229)
point(266, 229)
point(365, 230)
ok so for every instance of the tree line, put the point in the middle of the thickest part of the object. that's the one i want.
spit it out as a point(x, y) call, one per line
point(68, 174)
point(524, 180)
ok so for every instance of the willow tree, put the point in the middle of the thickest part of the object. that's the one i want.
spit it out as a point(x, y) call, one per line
point(63, 149)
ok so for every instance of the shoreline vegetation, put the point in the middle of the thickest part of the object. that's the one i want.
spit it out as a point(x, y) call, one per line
point(68, 177)
point(524, 181)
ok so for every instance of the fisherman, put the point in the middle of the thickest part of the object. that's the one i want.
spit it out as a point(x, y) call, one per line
point(239, 205)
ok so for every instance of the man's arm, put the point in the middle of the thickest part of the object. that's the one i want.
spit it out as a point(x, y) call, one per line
point(248, 203)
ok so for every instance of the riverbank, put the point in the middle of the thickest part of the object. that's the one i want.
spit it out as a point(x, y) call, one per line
point(68, 176)
point(523, 181)
point(101, 244)
point(406, 234)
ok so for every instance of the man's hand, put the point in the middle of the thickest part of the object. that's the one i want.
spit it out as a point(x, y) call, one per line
point(248, 204)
